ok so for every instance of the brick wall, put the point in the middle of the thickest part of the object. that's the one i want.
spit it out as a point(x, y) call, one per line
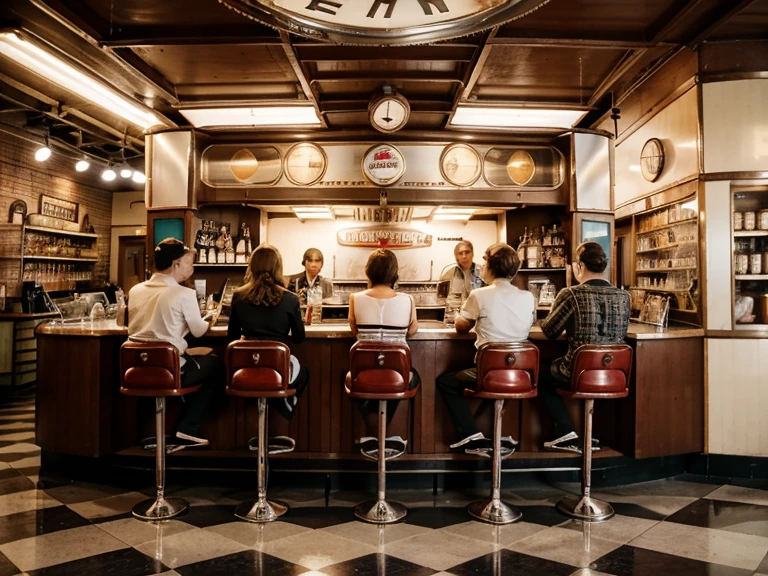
point(22, 178)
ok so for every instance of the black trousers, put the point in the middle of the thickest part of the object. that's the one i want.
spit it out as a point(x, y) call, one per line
point(208, 372)
point(368, 407)
point(451, 387)
point(548, 385)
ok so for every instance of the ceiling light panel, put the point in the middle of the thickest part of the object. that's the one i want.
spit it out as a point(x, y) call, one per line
point(254, 116)
point(476, 116)
point(59, 72)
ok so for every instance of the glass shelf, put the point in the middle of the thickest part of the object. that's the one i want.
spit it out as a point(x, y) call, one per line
point(663, 270)
point(61, 232)
point(670, 225)
point(666, 247)
point(59, 258)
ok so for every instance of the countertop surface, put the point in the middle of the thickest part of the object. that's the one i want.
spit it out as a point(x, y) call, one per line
point(427, 331)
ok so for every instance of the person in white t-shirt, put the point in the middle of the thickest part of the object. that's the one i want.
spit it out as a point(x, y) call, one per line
point(499, 312)
point(162, 309)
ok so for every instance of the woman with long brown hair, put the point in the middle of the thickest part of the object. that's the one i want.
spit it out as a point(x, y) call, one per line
point(263, 309)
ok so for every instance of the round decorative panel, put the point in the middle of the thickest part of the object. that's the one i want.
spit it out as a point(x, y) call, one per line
point(383, 22)
point(461, 165)
point(305, 164)
point(521, 167)
point(383, 164)
point(243, 164)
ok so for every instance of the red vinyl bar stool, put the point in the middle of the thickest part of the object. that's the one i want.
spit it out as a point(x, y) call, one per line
point(505, 371)
point(152, 369)
point(380, 371)
point(259, 369)
point(598, 372)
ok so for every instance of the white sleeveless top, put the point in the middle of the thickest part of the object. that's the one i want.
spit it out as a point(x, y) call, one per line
point(382, 319)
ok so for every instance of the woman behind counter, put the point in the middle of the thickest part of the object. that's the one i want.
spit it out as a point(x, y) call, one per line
point(263, 309)
point(381, 314)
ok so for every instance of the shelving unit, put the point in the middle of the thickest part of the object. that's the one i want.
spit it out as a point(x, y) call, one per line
point(667, 259)
point(230, 265)
point(749, 259)
point(59, 272)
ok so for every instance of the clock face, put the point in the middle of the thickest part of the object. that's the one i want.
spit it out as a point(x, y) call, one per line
point(652, 159)
point(389, 115)
point(461, 165)
point(383, 22)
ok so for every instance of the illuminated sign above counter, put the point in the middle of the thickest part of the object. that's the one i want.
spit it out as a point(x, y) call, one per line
point(365, 165)
point(384, 237)
point(383, 22)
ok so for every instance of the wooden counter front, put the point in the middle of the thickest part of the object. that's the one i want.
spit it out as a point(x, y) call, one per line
point(81, 412)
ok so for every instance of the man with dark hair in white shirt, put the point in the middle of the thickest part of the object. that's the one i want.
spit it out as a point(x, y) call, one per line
point(162, 309)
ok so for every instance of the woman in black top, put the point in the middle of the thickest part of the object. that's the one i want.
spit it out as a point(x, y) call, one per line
point(263, 309)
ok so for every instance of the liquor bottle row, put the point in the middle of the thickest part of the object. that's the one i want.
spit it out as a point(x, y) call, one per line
point(750, 256)
point(677, 235)
point(61, 246)
point(47, 272)
point(544, 248)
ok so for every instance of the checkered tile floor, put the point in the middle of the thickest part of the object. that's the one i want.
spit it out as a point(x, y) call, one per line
point(681, 526)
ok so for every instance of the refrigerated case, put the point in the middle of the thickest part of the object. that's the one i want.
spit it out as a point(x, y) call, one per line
point(749, 249)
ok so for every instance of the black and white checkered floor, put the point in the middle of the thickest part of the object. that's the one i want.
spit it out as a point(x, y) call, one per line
point(681, 526)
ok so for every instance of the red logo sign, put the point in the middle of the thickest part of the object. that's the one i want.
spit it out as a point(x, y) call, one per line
point(383, 155)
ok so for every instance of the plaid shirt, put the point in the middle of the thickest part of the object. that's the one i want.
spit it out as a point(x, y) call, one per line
point(595, 312)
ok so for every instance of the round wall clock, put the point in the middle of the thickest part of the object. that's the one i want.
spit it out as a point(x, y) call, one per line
point(383, 164)
point(305, 164)
point(652, 159)
point(389, 112)
point(383, 22)
point(461, 165)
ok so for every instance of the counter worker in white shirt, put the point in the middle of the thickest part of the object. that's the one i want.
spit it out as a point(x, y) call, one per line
point(161, 309)
point(500, 312)
point(465, 276)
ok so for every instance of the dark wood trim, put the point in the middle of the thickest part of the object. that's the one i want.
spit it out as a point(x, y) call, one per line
point(737, 334)
point(750, 175)
point(705, 78)
point(298, 70)
point(591, 43)
point(475, 69)
point(667, 195)
point(719, 20)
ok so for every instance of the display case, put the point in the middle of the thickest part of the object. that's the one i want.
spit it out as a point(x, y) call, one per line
point(749, 226)
point(666, 266)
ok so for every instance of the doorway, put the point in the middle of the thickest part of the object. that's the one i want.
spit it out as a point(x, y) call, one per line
point(132, 261)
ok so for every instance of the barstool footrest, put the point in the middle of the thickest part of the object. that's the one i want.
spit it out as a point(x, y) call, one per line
point(494, 512)
point(156, 509)
point(380, 511)
point(585, 508)
point(262, 510)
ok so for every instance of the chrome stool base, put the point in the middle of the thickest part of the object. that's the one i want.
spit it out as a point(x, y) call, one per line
point(260, 511)
point(160, 509)
point(494, 512)
point(585, 508)
point(380, 511)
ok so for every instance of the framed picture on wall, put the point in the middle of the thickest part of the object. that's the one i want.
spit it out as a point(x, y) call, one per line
point(58, 208)
point(597, 228)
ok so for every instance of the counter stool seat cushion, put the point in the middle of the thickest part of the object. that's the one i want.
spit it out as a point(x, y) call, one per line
point(379, 371)
point(258, 369)
point(506, 371)
point(600, 372)
point(151, 369)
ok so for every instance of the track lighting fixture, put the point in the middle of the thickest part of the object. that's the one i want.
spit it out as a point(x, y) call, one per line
point(43, 153)
point(108, 174)
point(138, 177)
point(82, 165)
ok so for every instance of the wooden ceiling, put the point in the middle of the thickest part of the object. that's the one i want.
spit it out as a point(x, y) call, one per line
point(172, 54)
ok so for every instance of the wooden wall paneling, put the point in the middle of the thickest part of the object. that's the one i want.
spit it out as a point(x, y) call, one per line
point(422, 437)
point(535, 422)
point(338, 371)
point(450, 356)
point(669, 398)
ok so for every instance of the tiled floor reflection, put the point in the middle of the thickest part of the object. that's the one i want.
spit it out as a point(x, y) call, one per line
point(685, 526)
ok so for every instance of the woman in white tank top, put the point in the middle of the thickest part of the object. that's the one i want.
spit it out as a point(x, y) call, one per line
point(383, 315)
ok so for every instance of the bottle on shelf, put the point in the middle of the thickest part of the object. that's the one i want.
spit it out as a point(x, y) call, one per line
point(521, 246)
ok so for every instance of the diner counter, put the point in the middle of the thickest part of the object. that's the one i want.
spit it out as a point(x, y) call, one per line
point(428, 330)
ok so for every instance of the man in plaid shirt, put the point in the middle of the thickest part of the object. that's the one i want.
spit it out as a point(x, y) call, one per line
point(594, 312)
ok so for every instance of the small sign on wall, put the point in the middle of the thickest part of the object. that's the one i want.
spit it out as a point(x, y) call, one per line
point(58, 208)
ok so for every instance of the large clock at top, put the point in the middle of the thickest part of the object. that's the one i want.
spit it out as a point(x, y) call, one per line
point(383, 22)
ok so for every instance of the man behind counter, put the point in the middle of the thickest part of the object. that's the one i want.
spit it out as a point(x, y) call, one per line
point(466, 275)
point(303, 282)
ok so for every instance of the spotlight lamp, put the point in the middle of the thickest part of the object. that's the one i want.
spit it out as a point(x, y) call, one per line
point(125, 171)
point(42, 154)
point(82, 165)
point(138, 177)
point(108, 174)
